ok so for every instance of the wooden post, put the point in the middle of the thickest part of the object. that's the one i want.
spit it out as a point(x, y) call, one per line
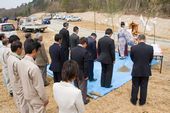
point(154, 34)
point(95, 21)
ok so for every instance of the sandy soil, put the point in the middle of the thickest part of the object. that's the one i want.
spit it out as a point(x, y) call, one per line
point(116, 101)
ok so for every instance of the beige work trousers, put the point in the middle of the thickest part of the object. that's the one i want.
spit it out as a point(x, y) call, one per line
point(36, 105)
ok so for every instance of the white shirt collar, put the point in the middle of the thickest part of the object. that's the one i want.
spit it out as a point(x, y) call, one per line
point(29, 58)
point(16, 55)
point(80, 45)
point(107, 35)
point(74, 33)
point(69, 84)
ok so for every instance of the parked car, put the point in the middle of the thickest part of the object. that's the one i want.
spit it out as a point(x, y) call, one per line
point(73, 19)
point(1, 20)
point(65, 17)
point(5, 19)
point(57, 17)
point(49, 17)
point(46, 21)
point(13, 18)
point(8, 29)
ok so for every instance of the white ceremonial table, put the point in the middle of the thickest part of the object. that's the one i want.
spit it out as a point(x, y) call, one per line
point(158, 55)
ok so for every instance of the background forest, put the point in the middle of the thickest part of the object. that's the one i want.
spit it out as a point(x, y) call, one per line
point(156, 7)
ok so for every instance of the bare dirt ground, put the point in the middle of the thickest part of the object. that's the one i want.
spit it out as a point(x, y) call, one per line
point(117, 101)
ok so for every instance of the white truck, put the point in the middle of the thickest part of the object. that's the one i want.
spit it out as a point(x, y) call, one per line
point(27, 24)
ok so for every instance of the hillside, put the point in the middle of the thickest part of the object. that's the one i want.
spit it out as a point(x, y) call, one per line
point(147, 7)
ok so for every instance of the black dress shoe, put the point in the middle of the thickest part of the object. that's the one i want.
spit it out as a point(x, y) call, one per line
point(93, 80)
point(133, 102)
point(102, 86)
point(108, 86)
point(87, 101)
point(141, 103)
point(11, 94)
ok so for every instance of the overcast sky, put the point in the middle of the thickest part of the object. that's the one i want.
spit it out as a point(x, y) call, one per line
point(12, 3)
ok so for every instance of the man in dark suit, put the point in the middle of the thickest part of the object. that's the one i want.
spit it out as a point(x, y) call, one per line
point(65, 41)
point(91, 48)
point(28, 39)
point(106, 51)
point(74, 38)
point(80, 55)
point(141, 55)
point(56, 58)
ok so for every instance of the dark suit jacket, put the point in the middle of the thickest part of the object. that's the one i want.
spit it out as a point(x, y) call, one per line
point(80, 55)
point(141, 55)
point(106, 50)
point(91, 48)
point(56, 58)
point(74, 40)
point(65, 38)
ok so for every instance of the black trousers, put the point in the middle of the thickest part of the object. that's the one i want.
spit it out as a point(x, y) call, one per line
point(65, 53)
point(57, 76)
point(82, 85)
point(142, 83)
point(106, 76)
point(91, 67)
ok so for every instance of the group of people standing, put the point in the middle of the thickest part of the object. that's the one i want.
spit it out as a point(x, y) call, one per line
point(72, 64)
point(24, 75)
point(84, 52)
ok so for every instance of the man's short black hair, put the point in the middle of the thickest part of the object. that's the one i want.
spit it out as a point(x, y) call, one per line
point(32, 46)
point(28, 35)
point(15, 45)
point(83, 40)
point(13, 38)
point(141, 37)
point(108, 31)
point(122, 24)
point(94, 34)
point(65, 24)
point(70, 70)
point(2, 36)
point(75, 28)
point(5, 41)
point(57, 37)
point(29, 40)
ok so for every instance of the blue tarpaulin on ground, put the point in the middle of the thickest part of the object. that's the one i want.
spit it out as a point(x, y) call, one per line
point(118, 78)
